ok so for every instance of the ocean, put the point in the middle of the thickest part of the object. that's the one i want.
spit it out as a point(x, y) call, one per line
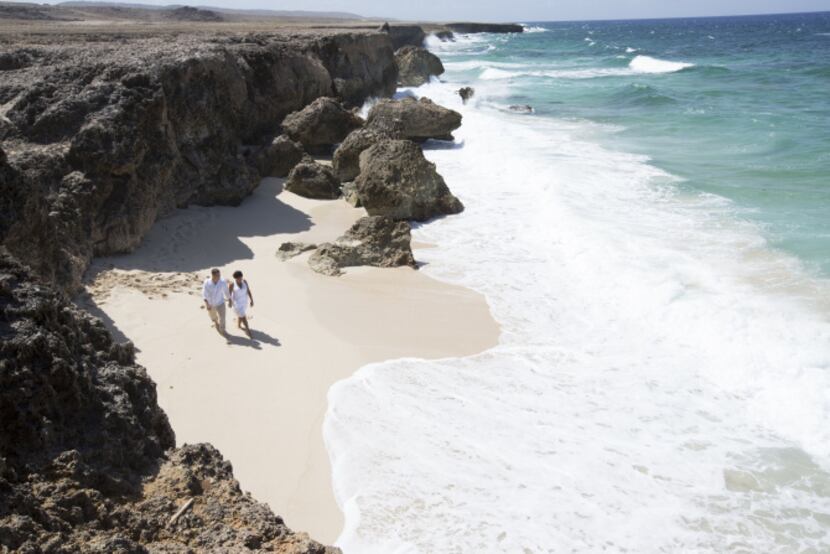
point(654, 240)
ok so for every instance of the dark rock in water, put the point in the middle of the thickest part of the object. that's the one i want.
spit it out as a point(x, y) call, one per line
point(288, 250)
point(521, 108)
point(87, 457)
point(186, 13)
point(466, 93)
point(279, 158)
point(313, 180)
point(375, 241)
point(445, 36)
point(406, 35)
point(346, 160)
point(324, 122)
point(467, 28)
point(416, 65)
point(417, 120)
point(396, 180)
point(106, 133)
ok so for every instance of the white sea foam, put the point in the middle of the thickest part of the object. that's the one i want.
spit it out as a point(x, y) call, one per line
point(647, 64)
point(534, 29)
point(630, 50)
point(661, 382)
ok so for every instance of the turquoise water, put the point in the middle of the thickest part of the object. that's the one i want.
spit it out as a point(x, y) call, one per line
point(749, 120)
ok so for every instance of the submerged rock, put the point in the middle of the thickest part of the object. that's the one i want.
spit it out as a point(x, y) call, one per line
point(375, 241)
point(397, 181)
point(279, 158)
point(521, 108)
point(322, 123)
point(346, 159)
point(466, 93)
point(288, 250)
point(416, 120)
point(416, 65)
point(313, 180)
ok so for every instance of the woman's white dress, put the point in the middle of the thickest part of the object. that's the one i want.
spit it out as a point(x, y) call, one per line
point(240, 298)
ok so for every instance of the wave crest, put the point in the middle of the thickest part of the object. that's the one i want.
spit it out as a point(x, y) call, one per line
point(647, 64)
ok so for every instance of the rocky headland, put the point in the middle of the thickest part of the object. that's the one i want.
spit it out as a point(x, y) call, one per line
point(103, 133)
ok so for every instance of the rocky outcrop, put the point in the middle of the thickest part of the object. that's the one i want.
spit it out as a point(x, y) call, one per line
point(397, 181)
point(405, 35)
point(278, 158)
point(375, 241)
point(416, 65)
point(416, 120)
point(87, 457)
point(313, 180)
point(288, 250)
point(186, 13)
point(468, 28)
point(106, 133)
point(321, 124)
point(346, 159)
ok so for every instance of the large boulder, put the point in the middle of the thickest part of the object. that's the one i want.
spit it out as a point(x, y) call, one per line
point(416, 65)
point(279, 158)
point(396, 180)
point(322, 123)
point(346, 160)
point(313, 180)
point(375, 240)
point(403, 35)
point(417, 120)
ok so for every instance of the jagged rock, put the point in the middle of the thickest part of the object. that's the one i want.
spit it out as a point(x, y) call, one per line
point(467, 28)
point(322, 123)
point(466, 93)
point(521, 108)
point(384, 28)
point(403, 35)
point(279, 158)
point(375, 240)
point(87, 458)
point(445, 35)
point(417, 120)
point(397, 181)
point(313, 180)
point(416, 65)
point(346, 159)
point(350, 195)
point(107, 133)
point(288, 250)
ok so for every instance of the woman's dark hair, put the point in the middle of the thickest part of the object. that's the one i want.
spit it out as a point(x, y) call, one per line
point(237, 274)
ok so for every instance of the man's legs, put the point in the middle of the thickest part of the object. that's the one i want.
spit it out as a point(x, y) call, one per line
point(220, 309)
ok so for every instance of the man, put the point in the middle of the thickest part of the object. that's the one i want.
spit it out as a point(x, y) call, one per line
point(215, 292)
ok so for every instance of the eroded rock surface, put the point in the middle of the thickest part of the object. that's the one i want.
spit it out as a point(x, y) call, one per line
point(87, 457)
point(279, 158)
point(313, 180)
point(346, 159)
point(397, 181)
point(374, 241)
point(322, 123)
point(288, 250)
point(416, 65)
point(106, 133)
point(416, 120)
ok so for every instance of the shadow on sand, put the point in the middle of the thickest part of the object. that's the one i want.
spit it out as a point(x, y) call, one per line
point(258, 338)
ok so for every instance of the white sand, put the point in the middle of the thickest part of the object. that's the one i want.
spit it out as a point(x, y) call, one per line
point(262, 402)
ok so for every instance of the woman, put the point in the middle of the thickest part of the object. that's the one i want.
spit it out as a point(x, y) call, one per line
point(240, 292)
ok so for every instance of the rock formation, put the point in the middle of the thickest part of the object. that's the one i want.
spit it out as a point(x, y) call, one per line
point(313, 180)
point(322, 123)
point(397, 181)
point(288, 250)
point(278, 158)
point(346, 160)
point(416, 65)
point(106, 133)
point(87, 457)
point(466, 93)
point(376, 241)
point(416, 120)
point(521, 108)
point(403, 35)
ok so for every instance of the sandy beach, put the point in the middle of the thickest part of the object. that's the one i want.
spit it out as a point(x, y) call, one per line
point(262, 401)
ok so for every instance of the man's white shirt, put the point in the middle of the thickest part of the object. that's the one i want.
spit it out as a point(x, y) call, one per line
point(215, 293)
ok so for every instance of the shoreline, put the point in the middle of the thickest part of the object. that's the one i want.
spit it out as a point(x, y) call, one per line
point(368, 315)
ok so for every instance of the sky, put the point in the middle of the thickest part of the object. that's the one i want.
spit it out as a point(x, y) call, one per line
point(521, 10)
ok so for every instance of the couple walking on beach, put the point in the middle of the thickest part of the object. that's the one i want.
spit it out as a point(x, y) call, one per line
point(216, 291)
